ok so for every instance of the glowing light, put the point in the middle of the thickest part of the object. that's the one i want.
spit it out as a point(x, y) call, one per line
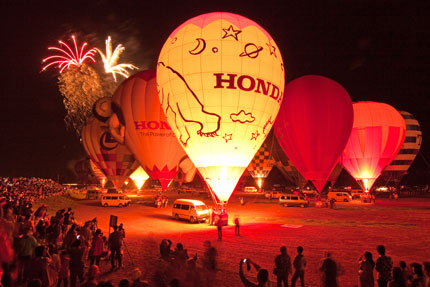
point(139, 176)
point(260, 183)
point(69, 57)
point(103, 181)
point(110, 60)
point(221, 80)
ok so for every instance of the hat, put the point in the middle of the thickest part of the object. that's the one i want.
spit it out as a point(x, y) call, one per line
point(136, 274)
point(93, 271)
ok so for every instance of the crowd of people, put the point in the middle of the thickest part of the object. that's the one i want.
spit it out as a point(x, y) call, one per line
point(38, 249)
point(414, 275)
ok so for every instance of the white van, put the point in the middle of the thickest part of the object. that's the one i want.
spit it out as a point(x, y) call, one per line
point(339, 196)
point(112, 199)
point(190, 209)
point(250, 189)
point(293, 200)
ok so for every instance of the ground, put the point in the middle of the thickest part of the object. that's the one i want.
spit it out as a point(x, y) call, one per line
point(347, 231)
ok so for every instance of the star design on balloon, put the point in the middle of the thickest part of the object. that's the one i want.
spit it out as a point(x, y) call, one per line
point(255, 135)
point(227, 137)
point(230, 32)
point(272, 49)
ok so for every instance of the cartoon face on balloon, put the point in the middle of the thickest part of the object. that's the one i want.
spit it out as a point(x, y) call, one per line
point(221, 80)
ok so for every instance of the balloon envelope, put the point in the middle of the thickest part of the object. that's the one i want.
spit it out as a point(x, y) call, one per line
point(376, 138)
point(409, 150)
point(313, 125)
point(146, 131)
point(114, 159)
point(262, 162)
point(221, 81)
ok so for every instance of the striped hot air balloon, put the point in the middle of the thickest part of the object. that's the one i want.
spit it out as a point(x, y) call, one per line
point(406, 156)
point(99, 175)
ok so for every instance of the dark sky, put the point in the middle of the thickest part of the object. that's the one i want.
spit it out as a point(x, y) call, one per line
point(378, 50)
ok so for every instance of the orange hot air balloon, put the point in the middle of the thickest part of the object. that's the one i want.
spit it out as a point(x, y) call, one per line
point(221, 82)
point(377, 135)
point(139, 121)
point(114, 159)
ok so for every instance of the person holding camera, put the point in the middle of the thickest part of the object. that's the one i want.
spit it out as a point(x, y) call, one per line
point(262, 276)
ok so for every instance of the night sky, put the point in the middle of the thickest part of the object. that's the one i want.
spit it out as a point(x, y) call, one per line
point(378, 50)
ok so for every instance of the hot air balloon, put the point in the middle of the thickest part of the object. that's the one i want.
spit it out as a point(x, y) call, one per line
point(262, 162)
point(114, 159)
point(221, 82)
point(139, 176)
point(139, 121)
point(376, 138)
point(399, 166)
point(100, 176)
point(83, 170)
point(313, 126)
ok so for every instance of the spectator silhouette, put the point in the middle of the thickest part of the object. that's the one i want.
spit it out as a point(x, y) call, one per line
point(366, 270)
point(427, 273)
point(136, 279)
point(407, 274)
point(93, 272)
point(262, 275)
point(115, 245)
point(209, 261)
point(299, 264)
point(165, 249)
point(124, 283)
point(282, 267)
point(384, 264)
point(96, 250)
point(76, 263)
point(329, 269)
point(418, 279)
point(398, 278)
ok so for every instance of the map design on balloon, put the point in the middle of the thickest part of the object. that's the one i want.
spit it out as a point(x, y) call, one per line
point(205, 130)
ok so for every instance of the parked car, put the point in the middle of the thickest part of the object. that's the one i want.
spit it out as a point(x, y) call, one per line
point(339, 196)
point(250, 189)
point(115, 200)
point(94, 194)
point(293, 200)
point(190, 209)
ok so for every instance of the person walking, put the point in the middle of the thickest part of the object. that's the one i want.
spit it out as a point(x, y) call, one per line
point(366, 270)
point(383, 266)
point(329, 269)
point(219, 227)
point(282, 267)
point(299, 264)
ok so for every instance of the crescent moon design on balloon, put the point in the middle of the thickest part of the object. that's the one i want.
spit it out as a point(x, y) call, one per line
point(201, 46)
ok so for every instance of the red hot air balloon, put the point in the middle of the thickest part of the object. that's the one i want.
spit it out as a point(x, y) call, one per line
point(139, 121)
point(376, 138)
point(313, 125)
point(114, 159)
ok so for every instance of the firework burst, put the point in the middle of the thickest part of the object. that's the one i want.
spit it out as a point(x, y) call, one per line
point(68, 57)
point(110, 60)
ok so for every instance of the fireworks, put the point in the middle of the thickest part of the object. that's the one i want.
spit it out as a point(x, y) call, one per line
point(110, 60)
point(69, 57)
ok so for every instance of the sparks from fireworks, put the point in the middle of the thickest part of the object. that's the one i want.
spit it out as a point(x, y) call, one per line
point(110, 60)
point(69, 57)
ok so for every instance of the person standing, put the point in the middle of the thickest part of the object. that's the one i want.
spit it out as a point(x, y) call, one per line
point(384, 264)
point(96, 250)
point(236, 227)
point(282, 267)
point(299, 264)
point(329, 271)
point(219, 226)
point(115, 245)
point(366, 270)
